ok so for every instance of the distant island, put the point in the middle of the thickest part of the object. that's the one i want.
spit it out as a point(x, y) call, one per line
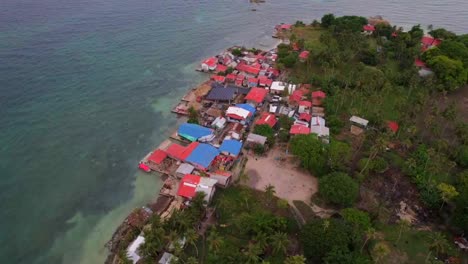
point(345, 143)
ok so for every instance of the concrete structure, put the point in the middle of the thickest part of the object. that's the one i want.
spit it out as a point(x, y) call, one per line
point(132, 250)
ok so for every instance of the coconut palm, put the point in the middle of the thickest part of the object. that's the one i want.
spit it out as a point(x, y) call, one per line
point(192, 236)
point(261, 239)
point(380, 251)
point(298, 259)
point(438, 243)
point(370, 234)
point(279, 242)
point(214, 241)
point(252, 253)
point(404, 226)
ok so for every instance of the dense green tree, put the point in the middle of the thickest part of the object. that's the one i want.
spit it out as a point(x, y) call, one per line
point(215, 242)
point(338, 188)
point(339, 155)
point(438, 243)
point(279, 242)
point(360, 220)
point(328, 20)
point(266, 131)
point(442, 33)
point(236, 52)
point(449, 71)
point(297, 259)
point(455, 50)
point(447, 192)
point(345, 256)
point(462, 156)
point(193, 115)
point(320, 236)
point(349, 23)
point(312, 153)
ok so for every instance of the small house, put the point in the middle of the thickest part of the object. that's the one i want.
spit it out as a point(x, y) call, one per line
point(279, 87)
point(296, 97)
point(252, 82)
point(240, 113)
point(191, 184)
point(156, 158)
point(231, 147)
point(209, 64)
point(264, 81)
point(219, 122)
point(180, 153)
point(318, 97)
point(202, 156)
point(231, 78)
point(304, 107)
point(299, 130)
point(322, 132)
point(249, 70)
point(183, 170)
point(428, 42)
point(256, 96)
point(368, 29)
point(267, 119)
point(195, 132)
point(218, 78)
point(240, 80)
point(256, 139)
point(358, 125)
point(304, 55)
point(221, 68)
point(223, 177)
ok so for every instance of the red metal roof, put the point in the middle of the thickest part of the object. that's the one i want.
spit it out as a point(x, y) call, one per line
point(368, 27)
point(218, 78)
point(252, 80)
point(144, 167)
point(299, 129)
point(305, 116)
point(267, 119)
point(419, 63)
point(286, 26)
point(318, 94)
point(256, 94)
point(221, 68)
point(393, 126)
point(188, 185)
point(211, 62)
point(304, 55)
point(180, 152)
point(231, 77)
point(263, 80)
point(157, 156)
point(296, 96)
point(394, 34)
point(248, 69)
point(430, 41)
point(305, 103)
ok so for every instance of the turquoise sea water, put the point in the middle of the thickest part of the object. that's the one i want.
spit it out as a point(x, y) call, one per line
point(86, 88)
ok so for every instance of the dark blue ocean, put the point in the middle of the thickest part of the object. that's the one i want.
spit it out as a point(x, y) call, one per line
point(86, 88)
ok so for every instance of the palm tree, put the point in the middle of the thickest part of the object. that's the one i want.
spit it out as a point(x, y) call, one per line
point(214, 241)
point(191, 236)
point(404, 225)
point(298, 259)
point(261, 239)
point(191, 260)
point(270, 193)
point(279, 242)
point(370, 234)
point(438, 243)
point(380, 251)
point(252, 253)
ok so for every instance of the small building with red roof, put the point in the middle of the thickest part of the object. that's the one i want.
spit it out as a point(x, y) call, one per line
point(264, 81)
point(190, 184)
point(256, 96)
point(209, 64)
point(317, 98)
point(179, 152)
point(267, 119)
point(304, 55)
point(240, 80)
point(248, 69)
point(428, 42)
point(221, 68)
point(393, 126)
point(218, 78)
point(252, 82)
point(368, 28)
point(157, 157)
point(304, 107)
point(231, 77)
point(285, 26)
point(296, 97)
point(419, 63)
point(305, 117)
point(299, 130)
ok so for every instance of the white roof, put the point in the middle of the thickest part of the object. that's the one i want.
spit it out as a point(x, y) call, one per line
point(277, 86)
point(206, 185)
point(219, 122)
point(358, 120)
point(317, 121)
point(273, 108)
point(132, 250)
point(234, 110)
point(256, 138)
point(321, 131)
point(166, 258)
point(291, 88)
point(185, 168)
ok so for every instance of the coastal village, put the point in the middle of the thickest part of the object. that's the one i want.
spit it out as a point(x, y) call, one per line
point(241, 122)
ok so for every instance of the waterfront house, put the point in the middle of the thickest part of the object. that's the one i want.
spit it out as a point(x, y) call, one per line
point(267, 119)
point(184, 169)
point(133, 253)
point(191, 184)
point(256, 96)
point(195, 132)
point(156, 158)
point(209, 64)
point(180, 153)
point(221, 68)
point(202, 156)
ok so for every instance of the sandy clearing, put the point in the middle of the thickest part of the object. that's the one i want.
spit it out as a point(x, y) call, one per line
point(290, 182)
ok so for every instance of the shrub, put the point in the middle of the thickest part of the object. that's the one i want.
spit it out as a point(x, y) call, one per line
point(339, 188)
point(462, 156)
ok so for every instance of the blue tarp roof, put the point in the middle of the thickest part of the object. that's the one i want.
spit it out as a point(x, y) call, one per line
point(221, 93)
point(232, 146)
point(193, 131)
point(203, 155)
point(247, 107)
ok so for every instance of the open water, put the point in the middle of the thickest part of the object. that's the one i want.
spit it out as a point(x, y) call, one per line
point(86, 88)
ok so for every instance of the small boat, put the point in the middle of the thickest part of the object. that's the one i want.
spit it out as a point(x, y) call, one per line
point(144, 167)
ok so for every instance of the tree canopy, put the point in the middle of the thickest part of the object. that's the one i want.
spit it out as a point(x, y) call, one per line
point(338, 188)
